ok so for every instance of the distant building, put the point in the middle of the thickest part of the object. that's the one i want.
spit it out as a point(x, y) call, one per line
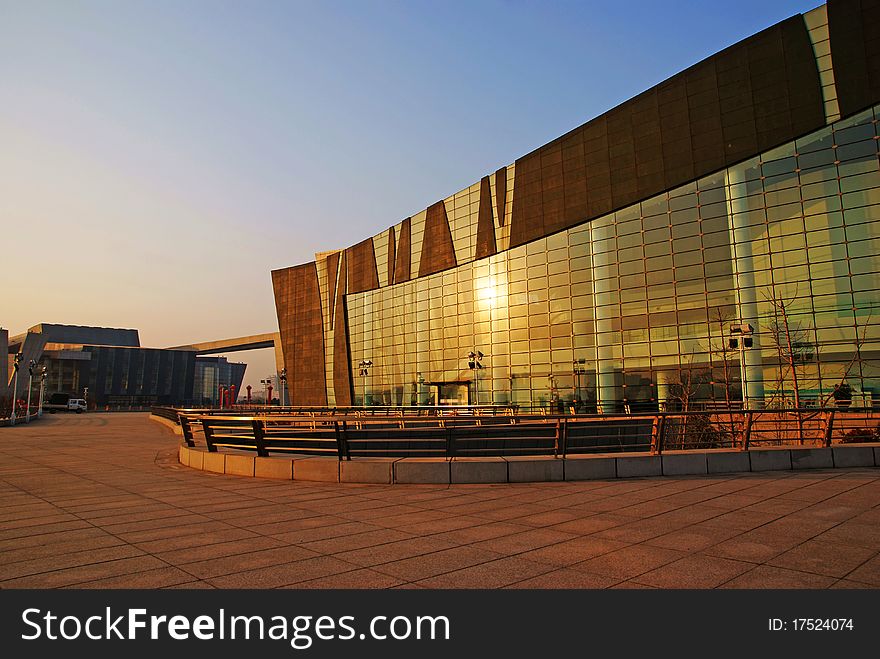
point(108, 366)
point(211, 373)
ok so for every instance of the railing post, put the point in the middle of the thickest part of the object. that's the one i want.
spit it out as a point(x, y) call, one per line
point(747, 431)
point(829, 427)
point(260, 438)
point(188, 437)
point(657, 434)
point(209, 436)
point(557, 440)
point(344, 438)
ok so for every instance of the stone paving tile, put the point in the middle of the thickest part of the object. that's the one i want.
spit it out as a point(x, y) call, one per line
point(517, 543)
point(488, 531)
point(357, 541)
point(629, 562)
point(195, 540)
point(300, 524)
point(163, 577)
point(573, 551)
point(854, 533)
point(42, 529)
point(357, 579)
point(164, 522)
point(83, 573)
point(395, 551)
point(301, 536)
point(637, 531)
point(820, 557)
point(692, 538)
point(190, 585)
point(495, 574)
point(735, 501)
point(218, 550)
point(695, 571)
point(851, 585)
point(566, 578)
point(59, 548)
point(632, 585)
point(144, 514)
point(288, 574)
point(440, 562)
point(68, 560)
point(549, 518)
point(767, 576)
point(216, 567)
point(592, 523)
point(176, 530)
point(742, 520)
point(442, 525)
point(868, 573)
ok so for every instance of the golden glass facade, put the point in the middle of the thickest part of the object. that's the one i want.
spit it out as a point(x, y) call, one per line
point(634, 309)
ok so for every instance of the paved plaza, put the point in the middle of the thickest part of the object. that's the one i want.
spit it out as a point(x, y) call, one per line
point(100, 501)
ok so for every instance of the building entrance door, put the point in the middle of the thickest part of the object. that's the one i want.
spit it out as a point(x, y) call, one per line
point(448, 393)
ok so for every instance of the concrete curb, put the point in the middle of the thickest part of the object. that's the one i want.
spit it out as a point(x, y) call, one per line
point(527, 469)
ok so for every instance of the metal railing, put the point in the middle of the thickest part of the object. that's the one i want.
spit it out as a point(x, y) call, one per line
point(351, 435)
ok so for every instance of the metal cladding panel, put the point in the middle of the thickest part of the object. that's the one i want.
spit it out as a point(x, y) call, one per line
point(500, 194)
point(403, 267)
point(438, 252)
point(363, 275)
point(485, 224)
point(342, 385)
point(301, 323)
point(332, 276)
point(757, 94)
point(392, 245)
point(854, 30)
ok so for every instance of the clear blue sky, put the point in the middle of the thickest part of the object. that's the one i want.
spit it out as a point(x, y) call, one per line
point(158, 159)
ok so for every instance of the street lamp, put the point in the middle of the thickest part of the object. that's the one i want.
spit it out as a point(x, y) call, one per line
point(42, 389)
point(16, 364)
point(741, 339)
point(474, 363)
point(283, 378)
point(365, 371)
point(32, 365)
point(579, 370)
point(421, 380)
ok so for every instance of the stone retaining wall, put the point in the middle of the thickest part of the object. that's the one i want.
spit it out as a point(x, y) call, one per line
point(528, 469)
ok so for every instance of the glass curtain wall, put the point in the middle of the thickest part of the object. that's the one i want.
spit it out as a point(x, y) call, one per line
point(649, 307)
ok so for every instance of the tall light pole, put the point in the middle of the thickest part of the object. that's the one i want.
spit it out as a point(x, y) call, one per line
point(283, 378)
point(42, 389)
point(475, 364)
point(32, 365)
point(579, 369)
point(741, 339)
point(365, 371)
point(17, 365)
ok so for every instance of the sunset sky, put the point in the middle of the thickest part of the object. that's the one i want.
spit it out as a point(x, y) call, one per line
point(158, 159)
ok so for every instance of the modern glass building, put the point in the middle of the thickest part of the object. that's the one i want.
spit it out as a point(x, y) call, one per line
point(713, 241)
point(105, 365)
point(211, 373)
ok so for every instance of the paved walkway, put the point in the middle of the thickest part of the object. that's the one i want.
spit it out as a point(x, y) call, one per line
point(98, 500)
